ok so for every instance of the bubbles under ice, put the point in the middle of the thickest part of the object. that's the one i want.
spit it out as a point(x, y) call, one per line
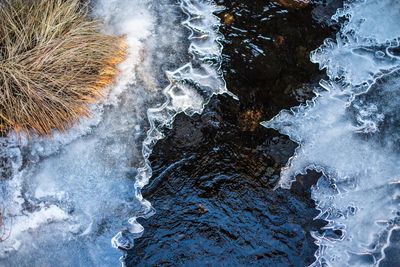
point(350, 132)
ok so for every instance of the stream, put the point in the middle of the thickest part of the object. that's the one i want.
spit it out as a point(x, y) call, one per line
point(239, 133)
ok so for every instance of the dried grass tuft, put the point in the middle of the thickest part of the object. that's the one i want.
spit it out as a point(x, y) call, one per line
point(53, 63)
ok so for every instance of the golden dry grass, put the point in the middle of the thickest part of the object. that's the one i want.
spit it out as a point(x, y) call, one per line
point(53, 63)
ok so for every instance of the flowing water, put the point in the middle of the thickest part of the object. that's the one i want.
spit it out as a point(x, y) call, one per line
point(167, 134)
point(214, 173)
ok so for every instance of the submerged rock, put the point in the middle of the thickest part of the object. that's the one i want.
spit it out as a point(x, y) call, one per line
point(228, 19)
point(250, 120)
point(293, 3)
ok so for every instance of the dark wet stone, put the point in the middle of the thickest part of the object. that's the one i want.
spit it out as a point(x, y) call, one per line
point(214, 173)
point(293, 3)
point(266, 55)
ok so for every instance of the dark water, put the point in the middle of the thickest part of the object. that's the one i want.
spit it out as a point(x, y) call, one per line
point(214, 173)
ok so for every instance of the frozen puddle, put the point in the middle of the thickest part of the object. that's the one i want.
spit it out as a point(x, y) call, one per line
point(64, 198)
point(350, 132)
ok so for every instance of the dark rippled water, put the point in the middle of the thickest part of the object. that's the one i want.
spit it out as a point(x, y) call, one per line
point(214, 173)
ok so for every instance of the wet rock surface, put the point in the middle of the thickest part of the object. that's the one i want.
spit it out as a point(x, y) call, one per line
point(214, 173)
point(293, 3)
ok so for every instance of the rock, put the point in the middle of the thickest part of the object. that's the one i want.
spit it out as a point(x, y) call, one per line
point(293, 3)
point(250, 120)
point(279, 40)
point(229, 19)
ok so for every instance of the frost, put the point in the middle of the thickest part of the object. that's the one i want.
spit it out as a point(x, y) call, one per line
point(65, 197)
point(349, 132)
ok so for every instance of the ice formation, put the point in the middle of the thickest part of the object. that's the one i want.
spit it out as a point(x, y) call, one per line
point(350, 132)
point(64, 198)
